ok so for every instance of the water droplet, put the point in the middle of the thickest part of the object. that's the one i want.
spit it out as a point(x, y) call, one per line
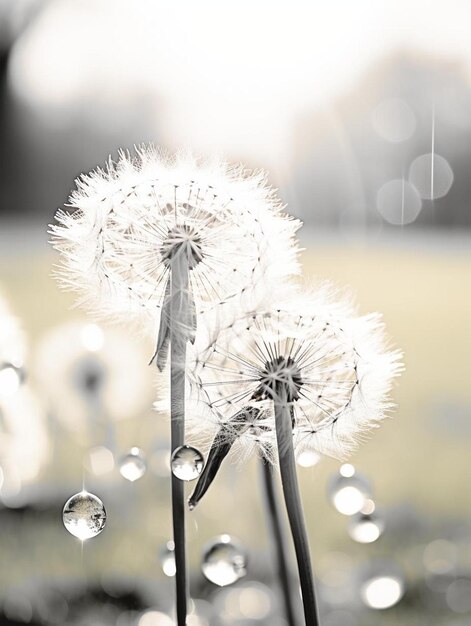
point(307, 458)
point(366, 527)
point(347, 470)
point(224, 561)
point(398, 202)
point(133, 465)
point(84, 515)
point(167, 559)
point(383, 591)
point(187, 463)
point(155, 618)
point(431, 175)
point(394, 120)
point(11, 377)
point(349, 494)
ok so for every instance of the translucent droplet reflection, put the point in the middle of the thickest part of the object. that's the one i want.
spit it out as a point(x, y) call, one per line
point(167, 559)
point(382, 592)
point(224, 561)
point(187, 463)
point(155, 618)
point(133, 465)
point(394, 120)
point(84, 515)
point(431, 175)
point(365, 527)
point(307, 458)
point(398, 202)
point(349, 494)
point(11, 378)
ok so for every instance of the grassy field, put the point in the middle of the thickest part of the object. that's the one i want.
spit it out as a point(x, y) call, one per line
point(417, 459)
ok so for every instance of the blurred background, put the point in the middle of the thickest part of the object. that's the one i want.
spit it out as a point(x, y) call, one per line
point(361, 113)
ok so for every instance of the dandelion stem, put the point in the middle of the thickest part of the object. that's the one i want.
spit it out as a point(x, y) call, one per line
point(279, 539)
point(178, 339)
point(289, 480)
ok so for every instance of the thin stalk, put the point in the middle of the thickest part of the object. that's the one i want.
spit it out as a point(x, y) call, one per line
point(178, 339)
point(279, 540)
point(289, 480)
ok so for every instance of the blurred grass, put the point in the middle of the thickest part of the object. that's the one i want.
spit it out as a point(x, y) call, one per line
point(424, 296)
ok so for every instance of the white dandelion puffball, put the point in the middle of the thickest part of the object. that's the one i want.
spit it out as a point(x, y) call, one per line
point(83, 368)
point(131, 219)
point(332, 364)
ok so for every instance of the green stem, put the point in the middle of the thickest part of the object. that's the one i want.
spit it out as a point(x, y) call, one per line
point(178, 339)
point(289, 480)
point(279, 540)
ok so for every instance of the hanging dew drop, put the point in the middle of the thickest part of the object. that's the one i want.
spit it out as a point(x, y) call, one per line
point(167, 559)
point(187, 463)
point(133, 465)
point(224, 561)
point(366, 527)
point(84, 515)
point(349, 492)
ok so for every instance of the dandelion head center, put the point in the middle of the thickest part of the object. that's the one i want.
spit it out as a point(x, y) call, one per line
point(280, 373)
point(182, 239)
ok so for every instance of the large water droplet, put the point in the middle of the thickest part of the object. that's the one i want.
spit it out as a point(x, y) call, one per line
point(349, 494)
point(84, 515)
point(133, 465)
point(431, 175)
point(167, 559)
point(224, 561)
point(187, 463)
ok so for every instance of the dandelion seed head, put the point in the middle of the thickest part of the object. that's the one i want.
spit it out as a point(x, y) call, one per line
point(130, 220)
point(76, 376)
point(333, 365)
